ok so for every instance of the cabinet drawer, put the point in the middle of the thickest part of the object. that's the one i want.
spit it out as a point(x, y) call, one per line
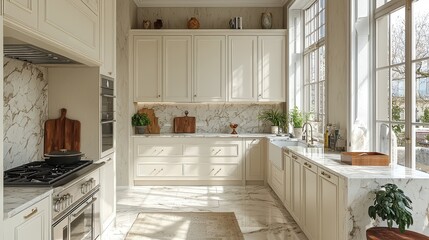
point(310, 166)
point(159, 150)
point(328, 176)
point(211, 150)
point(159, 170)
point(232, 171)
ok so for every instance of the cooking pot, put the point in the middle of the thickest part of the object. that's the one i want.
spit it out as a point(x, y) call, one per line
point(63, 157)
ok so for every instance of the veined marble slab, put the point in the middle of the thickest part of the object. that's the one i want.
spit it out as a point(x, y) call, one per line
point(17, 199)
point(206, 135)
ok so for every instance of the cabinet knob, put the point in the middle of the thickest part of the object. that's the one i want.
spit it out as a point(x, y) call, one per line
point(159, 96)
point(195, 95)
point(110, 73)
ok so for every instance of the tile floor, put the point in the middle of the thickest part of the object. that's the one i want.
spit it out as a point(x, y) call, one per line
point(259, 212)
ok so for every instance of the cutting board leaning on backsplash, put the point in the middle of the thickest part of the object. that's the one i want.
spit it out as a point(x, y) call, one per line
point(184, 124)
point(62, 133)
point(153, 128)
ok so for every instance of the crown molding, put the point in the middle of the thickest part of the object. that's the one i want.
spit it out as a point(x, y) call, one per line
point(210, 3)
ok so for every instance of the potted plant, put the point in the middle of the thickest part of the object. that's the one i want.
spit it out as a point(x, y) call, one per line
point(277, 119)
point(140, 121)
point(392, 205)
point(297, 120)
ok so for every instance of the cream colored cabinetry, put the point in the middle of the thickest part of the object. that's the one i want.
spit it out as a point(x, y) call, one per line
point(177, 75)
point(23, 12)
point(287, 158)
point(310, 199)
point(242, 68)
point(254, 159)
point(77, 28)
point(277, 180)
point(147, 68)
point(271, 63)
point(328, 215)
point(107, 191)
point(108, 38)
point(209, 68)
point(32, 223)
point(187, 159)
point(296, 187)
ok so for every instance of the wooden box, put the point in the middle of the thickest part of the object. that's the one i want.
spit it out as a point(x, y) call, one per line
point(365, 158)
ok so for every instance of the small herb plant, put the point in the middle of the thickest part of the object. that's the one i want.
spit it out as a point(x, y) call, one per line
point(296, 117)
point(140, 119)
point(391, 204)
point(274, 116)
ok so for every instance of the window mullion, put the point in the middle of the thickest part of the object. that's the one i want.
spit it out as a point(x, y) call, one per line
point(409, 91)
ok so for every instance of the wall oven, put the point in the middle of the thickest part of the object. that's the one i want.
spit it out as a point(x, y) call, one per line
point(107, 115)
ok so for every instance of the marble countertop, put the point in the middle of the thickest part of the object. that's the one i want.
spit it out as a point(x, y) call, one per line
point(207, 135)
point(332, 161)
point(17, 199)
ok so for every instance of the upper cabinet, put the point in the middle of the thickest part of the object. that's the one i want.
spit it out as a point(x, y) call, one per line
point(208, 65)
point(108, 38)
point(67, 27)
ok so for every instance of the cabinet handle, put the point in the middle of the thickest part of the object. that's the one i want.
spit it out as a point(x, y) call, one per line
point(218, 171)
point(33, 211)
point(326, 175)
point(108, 160)
point(159, 96)
point(307, 164)
point(287, 151)
point(218, 151)
point(195, 95)
point(294, 157)
point(110, 73)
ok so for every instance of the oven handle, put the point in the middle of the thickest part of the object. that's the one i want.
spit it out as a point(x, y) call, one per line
point(83, 209)
point(108, 95)
point(109, 121)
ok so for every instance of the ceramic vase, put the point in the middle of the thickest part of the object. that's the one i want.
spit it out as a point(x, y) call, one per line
point(140, 129)
point(266, 20)
point(146, 24)
point(274, 129)
point(193, 23)
point(158, 24)
point(297, 132)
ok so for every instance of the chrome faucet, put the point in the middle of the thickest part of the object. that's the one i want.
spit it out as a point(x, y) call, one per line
point(306, 132)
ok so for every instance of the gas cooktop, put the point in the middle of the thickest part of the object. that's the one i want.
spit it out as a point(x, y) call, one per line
point(40, 173)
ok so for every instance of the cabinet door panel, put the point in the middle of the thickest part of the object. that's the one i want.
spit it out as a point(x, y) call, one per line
point(296, 189)
point(177, 68)
point(147, 68)
point(108, 191)
point(158, 150)
point(108, 52)
point(159, 170)
point(254, 160)
point(22, 11)
point(207, 171)
point(242, 72)
point(209, 68)
point(310, 210)
point(288, 180)
point(328, 223)
point(230, 150)
point(271, 62)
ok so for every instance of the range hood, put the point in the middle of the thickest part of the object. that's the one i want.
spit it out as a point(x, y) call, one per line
point(32, 54)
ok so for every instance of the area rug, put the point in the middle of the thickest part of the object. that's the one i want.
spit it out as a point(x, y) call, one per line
point(185, 225)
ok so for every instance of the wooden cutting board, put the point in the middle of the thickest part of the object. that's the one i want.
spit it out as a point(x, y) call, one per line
point(184, 124)
point(153, 128)
point(62, 133)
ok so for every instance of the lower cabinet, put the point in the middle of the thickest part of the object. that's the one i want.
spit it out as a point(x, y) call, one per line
point(254, 152)
point(213, 171)
point(33, 223)
point(296, 188)
point(107, 191)
point(287, 158)
point(329, 205)
point(309, 199)
point(277, 181)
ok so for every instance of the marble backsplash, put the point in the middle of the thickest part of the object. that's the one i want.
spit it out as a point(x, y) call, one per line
point(214, 117)
point(25, 100)
point(209, 17)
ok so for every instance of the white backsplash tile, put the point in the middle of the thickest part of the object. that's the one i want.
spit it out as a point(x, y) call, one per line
point(214, 117)
point(25, 111)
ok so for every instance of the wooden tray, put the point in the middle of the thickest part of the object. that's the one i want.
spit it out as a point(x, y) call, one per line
point(184, 124)
point(365, 158)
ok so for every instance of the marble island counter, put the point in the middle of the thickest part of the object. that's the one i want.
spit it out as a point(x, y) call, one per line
point(356, 186)
point(205, 135)
point(17, 199)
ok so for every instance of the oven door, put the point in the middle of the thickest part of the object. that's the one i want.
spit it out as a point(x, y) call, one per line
point(83, 223)
point(107, 136)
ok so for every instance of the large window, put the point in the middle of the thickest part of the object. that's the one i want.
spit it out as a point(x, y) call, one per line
point(402, 81)
point(314, 63)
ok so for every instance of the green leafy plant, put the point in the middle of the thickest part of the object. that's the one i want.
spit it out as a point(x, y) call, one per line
point(391, 204)
point(396, 116)
point(274, 116)
point(425, 117)
point(296, 117)
point(140, 119)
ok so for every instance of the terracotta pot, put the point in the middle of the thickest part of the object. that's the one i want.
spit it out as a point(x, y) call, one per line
point(193, 23)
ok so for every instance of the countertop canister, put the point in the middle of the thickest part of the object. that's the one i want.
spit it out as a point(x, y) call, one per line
point(266, 20)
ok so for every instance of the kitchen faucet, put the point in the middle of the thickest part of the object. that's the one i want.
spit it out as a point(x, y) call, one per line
point(306, 132)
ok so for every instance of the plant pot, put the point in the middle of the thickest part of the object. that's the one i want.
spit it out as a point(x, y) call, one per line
point(275, 129)
point(392, 233)
point(297, 132)
point(140, 129)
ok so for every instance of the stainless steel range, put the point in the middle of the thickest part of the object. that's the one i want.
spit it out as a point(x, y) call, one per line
point(75, 200)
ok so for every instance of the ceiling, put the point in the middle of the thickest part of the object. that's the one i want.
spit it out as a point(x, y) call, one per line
point(210, 3)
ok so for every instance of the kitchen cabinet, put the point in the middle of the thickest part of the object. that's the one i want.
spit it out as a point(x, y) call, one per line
point(147, 68)
point(277, 181)
point(296, 188)
point(329, 205)
point(272, 65)
point(209, 69)
point(23, 12)
point(287, 158)
point(310, 199)
point(108, 39)
point(32, 223)
point(107, 191)
point(177, 66)
point(254, 159)
point(242, 68)
point(187, 160)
